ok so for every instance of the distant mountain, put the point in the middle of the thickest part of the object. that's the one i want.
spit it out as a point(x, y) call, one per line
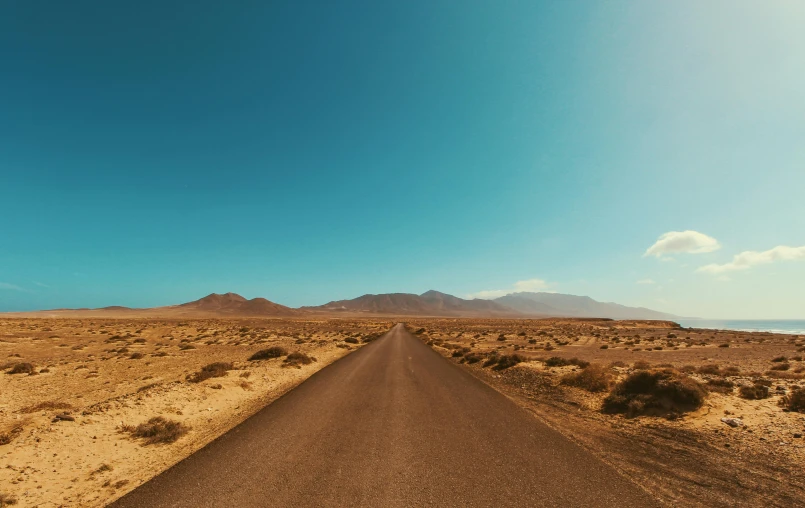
point(556, 304)
point(430, 303)
point(232, 304)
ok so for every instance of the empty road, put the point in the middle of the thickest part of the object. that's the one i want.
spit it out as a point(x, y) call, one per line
point(392, 424)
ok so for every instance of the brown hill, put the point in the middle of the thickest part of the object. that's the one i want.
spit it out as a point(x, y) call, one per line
point(430, 303)
point(213, 305)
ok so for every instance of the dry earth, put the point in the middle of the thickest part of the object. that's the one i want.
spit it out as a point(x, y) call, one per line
point(83, 381)
point(686, 459)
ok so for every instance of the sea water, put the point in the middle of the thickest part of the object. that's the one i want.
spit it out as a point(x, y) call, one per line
point(790, 326)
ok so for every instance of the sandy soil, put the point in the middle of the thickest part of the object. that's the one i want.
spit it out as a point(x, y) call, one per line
point(104, 374)
point(693, 460)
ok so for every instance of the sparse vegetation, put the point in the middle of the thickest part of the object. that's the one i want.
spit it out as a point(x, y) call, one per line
point(217, 369)
point(753, 392)
point(297, 359)
point(22, 368)
point(46, 406)
point(593, 378)
point(267, 354)
point(157, 430)
point(655, 392)
point(794, 401)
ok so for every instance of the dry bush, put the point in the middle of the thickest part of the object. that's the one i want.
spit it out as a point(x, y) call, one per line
point(472, 358)
point(46, 406)
point(556, 361)
point(351, 340)
point(655, 392)
point(506, 361)
point(157, 430)
point(709, 369)
point(784, 375)
point(8, 436)
point(7, 499)
point(779, 359)
point(267, 354)
point(754, 392)
point(22, 368)
point(136, 356)
point(297, 359)
point(593, 378)
point(217, 369)
point(781, 366)
point(641, 365)
point(720, 385)
point(794, 401)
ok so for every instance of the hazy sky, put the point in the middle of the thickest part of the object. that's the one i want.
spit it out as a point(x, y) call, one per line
point(153, 152)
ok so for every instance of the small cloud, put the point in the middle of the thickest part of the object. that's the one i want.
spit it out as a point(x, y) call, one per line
point(747, 259)
point(530, 285)
point(677, 242)
point(40, 284)
point(646, 281)
point(6, 285)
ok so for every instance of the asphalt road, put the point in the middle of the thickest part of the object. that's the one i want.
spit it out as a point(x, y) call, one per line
point(392, 424)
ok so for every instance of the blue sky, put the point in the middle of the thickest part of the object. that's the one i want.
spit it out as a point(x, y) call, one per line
point(302, 151)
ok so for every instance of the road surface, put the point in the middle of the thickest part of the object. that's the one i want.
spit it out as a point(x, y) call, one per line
point(392, 424)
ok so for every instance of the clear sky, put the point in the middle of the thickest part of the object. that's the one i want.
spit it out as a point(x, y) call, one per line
point(153, 152)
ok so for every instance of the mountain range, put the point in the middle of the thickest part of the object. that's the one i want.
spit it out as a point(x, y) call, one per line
point(430, 303)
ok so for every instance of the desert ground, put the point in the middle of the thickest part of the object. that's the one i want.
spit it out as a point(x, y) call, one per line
point(77, 395)
point(739, 444)
point(91, 408)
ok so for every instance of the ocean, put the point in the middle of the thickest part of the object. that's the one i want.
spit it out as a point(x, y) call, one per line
point(790, 326)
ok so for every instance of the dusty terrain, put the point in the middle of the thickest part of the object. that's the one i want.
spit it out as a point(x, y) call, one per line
point(68, 415)
point(687, 458)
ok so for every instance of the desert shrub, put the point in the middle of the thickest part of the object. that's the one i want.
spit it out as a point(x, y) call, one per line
point(136, 356)
point(658, 391)
point(641, 365)
point(754, 392)
point(557, 361)
point(472, 358)
point(457, 353)
point(371, 337)
point(506, 361)
point(266, 354)
point(157, 430)
point(21, 368)
point(794, 401)
point(724, 345)
point(7, 499)
point(491, 360)
point(720, 386)
point(709, 369)
point(781, 366)
point(779, 359)
point(46, 406)
point(217, 369)
point(351, 340)
point(731, 370)
point(297, 359)
point(8, 436)
point(593, 378)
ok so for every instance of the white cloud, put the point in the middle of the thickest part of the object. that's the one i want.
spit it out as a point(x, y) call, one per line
point(532, 285)
point(646, 281)
point(6, 285)
point(750, 258)
point(41, 285)
point(675, 242)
